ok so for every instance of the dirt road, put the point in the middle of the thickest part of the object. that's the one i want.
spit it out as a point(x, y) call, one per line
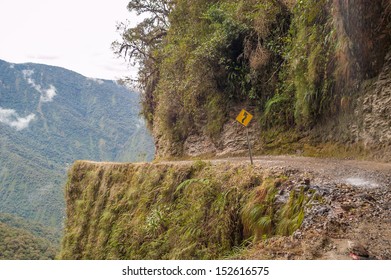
point(357, 173)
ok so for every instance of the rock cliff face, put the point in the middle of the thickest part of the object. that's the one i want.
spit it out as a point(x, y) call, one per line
point(354, 86)
point(367, 30)
point(232, 141)
point(366, 26)
point(367, 122)
point(376, 113)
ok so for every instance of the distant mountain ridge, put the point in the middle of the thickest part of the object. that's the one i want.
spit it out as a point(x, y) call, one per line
point(50, 117)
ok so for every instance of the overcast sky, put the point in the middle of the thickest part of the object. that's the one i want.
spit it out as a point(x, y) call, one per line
point(74, 34)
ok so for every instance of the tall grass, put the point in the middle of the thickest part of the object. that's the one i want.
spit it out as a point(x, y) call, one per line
point(157, 211)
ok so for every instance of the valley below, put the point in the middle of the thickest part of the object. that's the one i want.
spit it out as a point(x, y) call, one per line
point(50, 117)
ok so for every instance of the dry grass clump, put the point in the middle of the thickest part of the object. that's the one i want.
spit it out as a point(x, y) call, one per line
point(157, 211)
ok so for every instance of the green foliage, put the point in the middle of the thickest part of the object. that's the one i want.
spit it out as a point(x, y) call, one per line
point(223, 46)
point(157, 221)
point(306, 92)
point(309, 56)
point(258, 212)
point(278, 111)
point(216, 111)
point(291, 215)
point(263, 217)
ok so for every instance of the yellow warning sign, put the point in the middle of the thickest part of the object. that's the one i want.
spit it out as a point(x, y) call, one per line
point(244, 117)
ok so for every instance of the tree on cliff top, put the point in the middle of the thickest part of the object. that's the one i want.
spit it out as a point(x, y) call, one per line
point(141, 44)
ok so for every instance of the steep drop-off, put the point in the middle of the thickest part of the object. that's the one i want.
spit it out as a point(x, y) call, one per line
point(168, 211)
point(222, 209)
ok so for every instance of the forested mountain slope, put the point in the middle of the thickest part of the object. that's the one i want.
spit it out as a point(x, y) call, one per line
point(26, 240)
point(50, 117)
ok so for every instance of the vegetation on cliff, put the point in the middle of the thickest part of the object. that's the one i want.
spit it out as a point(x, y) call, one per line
point(295, 64)
point(180, 211)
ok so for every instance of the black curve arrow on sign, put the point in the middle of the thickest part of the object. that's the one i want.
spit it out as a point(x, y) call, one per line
point(244, 117)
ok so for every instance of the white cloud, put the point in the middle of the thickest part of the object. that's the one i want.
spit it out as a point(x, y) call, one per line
point(47, 95)
point(12, 119)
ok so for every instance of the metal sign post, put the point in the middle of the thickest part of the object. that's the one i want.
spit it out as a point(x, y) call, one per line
point(249, 147)
point(244, 118)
